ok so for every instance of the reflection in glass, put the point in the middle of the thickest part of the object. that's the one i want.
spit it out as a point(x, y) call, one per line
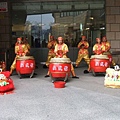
point(68, 24)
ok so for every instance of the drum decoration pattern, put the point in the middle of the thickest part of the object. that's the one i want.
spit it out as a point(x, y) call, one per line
point(25, 65)
point(99, 63)
point(60, 67)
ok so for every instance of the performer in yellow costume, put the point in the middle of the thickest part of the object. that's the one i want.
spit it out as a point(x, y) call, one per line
point(107, 47)
point(60, 51)
point(20, 50)
point(51, 47)
point(83, 52)
point(27, 45)
point(98, 48)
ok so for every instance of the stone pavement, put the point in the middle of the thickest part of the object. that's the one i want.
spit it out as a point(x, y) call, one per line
point(85, 98)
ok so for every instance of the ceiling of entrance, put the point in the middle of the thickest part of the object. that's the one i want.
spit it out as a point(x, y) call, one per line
point(35, 7)
point(22, 8)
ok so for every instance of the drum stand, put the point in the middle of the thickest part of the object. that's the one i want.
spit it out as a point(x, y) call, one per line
point(65, 79)
point(20, 75)
point(32, 74)
point(96, 73)
point(93, 72)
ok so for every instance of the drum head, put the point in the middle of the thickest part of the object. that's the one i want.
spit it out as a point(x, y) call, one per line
point(25, 58)
point(60, 60)
point(99, 57)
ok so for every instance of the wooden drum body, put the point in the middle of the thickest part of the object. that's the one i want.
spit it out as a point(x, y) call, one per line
point(25, 65)
point(60, 67)
point(99, 63)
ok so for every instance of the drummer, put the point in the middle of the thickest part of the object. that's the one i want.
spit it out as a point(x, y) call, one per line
point(83, 52)
point(98, 48)
point(20, 50)
point(25, 41)
point(51, 46)
point(107, 47)
point(61, 49)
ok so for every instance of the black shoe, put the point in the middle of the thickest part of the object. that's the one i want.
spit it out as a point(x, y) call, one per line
point(86, 71)
point(36, 67)
point(75, 66)
point(44, 66)
point(47, 76)
point(35, 73)
point(75, 77)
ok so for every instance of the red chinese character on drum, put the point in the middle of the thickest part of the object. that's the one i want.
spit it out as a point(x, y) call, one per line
point(27, 65)
point(60, 68)
point(101, 64)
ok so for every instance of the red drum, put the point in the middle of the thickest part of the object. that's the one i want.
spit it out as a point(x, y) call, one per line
point(99, 63)
point(110, 58)
point(60, 67)
point(25, 65)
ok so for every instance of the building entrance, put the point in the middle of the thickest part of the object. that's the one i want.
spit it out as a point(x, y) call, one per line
point(70, 20)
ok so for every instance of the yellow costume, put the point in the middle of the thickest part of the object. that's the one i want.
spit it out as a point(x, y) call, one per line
point(20, 50)
point(60, 51)
point(98, 49)
point(51, 46)
point(83, 52)
point(27, 46)
point(107, 47)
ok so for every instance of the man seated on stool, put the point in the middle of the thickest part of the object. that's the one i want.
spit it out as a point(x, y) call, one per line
point(61, 50)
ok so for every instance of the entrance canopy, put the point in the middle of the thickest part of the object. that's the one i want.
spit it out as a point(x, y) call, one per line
point(48, 6)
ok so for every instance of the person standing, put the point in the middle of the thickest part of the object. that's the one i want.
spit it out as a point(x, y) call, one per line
point(61, 50)
point(83, 53)
point(25, 41)
point(20, 50)
point(107, 47)
point(51, 46)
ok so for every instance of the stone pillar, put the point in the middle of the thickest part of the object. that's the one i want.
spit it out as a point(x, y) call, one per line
point(5, 27)
point(113, 23)
point(113, 26)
